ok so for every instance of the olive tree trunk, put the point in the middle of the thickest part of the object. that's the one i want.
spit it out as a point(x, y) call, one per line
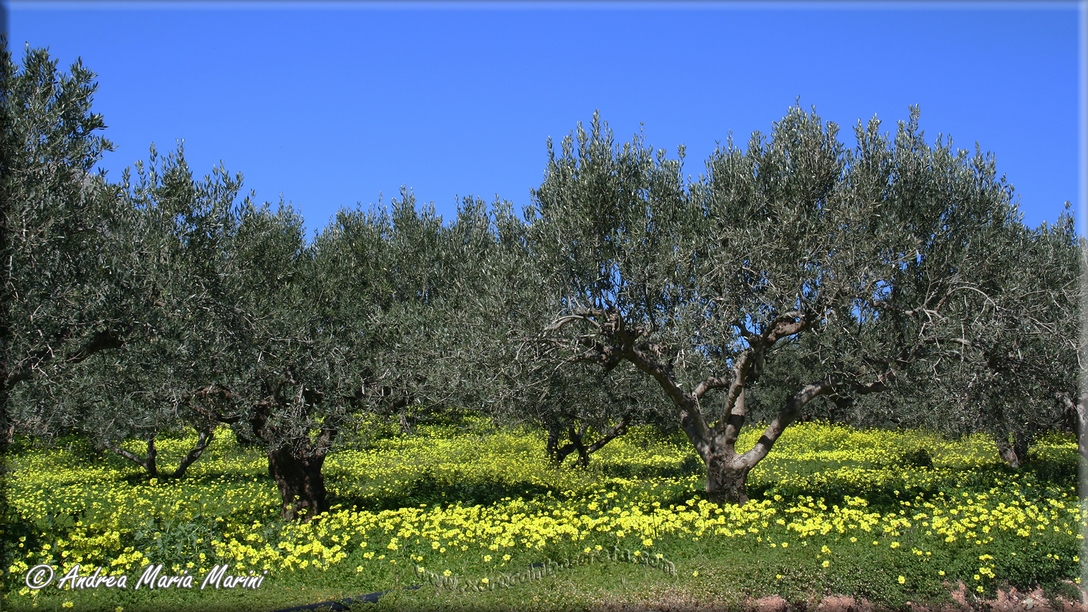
point(294, 462)
point(1014, 453)
point(727, 470)
point(727, 478)
point(1077, 412)
point(301, 484)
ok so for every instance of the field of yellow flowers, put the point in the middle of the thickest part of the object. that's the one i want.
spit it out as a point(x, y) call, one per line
point(476, 516)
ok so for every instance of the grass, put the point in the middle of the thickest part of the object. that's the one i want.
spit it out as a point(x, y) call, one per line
point(477, 516)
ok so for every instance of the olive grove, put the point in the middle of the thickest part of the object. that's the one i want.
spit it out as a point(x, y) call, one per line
point(891, 282)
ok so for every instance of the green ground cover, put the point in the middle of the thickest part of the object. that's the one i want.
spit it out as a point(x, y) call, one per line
point(476, 516)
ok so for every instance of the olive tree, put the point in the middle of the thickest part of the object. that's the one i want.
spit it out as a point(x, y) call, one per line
point(489, 290)
point(179, 235)
point(285, 355)
point(60, 299)
point(395, 280)
point(1014, 360)
point(580, 407)
point(695, 285)
point(173, 237)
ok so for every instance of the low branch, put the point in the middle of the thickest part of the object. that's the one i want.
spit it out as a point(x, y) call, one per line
point(148, 464)
point(204, 438)
point(711, 383)
point(691, 419)
point(618, 430)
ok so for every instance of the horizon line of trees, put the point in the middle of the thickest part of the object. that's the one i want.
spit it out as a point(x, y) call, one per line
point(891, 283)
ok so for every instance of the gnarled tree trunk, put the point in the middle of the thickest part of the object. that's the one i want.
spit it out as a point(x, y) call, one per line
point(727, 478)
point(293, 462)
point(1077, 413)
point(727, 470)
point(301, 484)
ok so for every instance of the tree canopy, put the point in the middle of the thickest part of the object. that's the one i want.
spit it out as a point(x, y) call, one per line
point(854, 258)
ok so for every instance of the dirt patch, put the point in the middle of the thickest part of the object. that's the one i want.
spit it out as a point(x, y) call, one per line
point(774, 603)
point(839, 603)
point(1035, 601)
point(668, 601)
point(1010, 600)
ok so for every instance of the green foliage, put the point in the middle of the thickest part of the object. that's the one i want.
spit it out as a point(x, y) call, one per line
point(58, 299)
point(61, 301)
point(180, 233)
point(1012, 370)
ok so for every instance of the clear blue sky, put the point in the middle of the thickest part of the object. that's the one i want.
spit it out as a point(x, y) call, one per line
point(330, 105)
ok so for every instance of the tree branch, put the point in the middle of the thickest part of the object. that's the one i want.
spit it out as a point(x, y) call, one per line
point(204, 438)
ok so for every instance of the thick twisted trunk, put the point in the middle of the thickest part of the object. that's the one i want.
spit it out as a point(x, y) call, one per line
point(293, 462)
point(1076, 415)
point(1077, 412)
point(727, 471)
point(727, 478)
point(301, 484)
